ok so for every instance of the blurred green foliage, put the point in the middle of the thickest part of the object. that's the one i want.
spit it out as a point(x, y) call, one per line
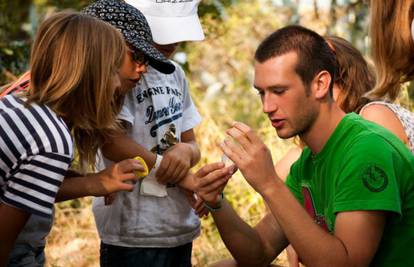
point(19, 20)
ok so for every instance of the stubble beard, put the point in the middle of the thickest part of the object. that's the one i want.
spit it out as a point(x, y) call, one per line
point(301, 125)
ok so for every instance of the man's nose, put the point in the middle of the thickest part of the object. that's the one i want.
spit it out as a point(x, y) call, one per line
point(269, 103)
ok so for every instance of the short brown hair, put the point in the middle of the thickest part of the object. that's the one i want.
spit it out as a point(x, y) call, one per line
point(314, 55)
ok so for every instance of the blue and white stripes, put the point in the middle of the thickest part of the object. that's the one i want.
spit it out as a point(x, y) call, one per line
point(36, 149)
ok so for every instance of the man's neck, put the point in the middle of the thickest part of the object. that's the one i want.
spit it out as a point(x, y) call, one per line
point(323, 127)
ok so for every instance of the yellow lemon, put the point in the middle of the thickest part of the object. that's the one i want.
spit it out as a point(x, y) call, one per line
point(143, 173)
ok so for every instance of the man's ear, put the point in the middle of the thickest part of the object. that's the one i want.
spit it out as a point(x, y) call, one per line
point(321, 84)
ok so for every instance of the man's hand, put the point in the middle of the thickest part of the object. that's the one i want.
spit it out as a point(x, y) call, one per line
point(114, 178)
point(175, 164)
point(251, 156)
point(196, 203)
point(210, 181)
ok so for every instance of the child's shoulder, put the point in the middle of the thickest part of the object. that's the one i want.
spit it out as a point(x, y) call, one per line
point(178, 69)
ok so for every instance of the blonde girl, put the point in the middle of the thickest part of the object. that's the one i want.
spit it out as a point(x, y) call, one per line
point(72, 101)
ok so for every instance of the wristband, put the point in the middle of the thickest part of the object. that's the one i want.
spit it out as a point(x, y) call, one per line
point(157, 163)
point(213, 209)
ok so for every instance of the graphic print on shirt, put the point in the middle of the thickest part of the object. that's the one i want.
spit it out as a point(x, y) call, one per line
point(165, 114)
point(134, 220)
point(311, 210)
point(168, 140)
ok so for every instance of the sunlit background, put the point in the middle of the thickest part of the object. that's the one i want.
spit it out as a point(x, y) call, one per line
point(220, 72)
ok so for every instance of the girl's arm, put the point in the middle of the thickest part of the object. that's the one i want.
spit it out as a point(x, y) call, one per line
point(12, 221)
point(107, 181)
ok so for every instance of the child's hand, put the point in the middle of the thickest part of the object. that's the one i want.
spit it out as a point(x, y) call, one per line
point(199, 207)
point(210, 181)
point(175, 164)
point(114, 178)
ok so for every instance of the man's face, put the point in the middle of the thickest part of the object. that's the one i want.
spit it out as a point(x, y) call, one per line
point(132, 68)
point(289, 106)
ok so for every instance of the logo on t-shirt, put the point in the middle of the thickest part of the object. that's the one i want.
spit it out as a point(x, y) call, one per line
point(374, 178)
point(309, 206)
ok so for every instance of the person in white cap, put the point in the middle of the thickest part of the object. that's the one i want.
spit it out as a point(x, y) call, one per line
point(155, 224)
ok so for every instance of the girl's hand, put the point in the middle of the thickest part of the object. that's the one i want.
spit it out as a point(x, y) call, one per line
point(119, 177)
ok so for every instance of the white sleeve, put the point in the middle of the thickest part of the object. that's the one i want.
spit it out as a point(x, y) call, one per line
point(128, 108)
point(191, 117)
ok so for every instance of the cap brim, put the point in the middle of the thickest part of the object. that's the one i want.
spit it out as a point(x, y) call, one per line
point(156, 59)
point(170, 30)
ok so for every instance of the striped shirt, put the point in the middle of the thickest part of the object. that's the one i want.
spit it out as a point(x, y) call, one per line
point(36, 149)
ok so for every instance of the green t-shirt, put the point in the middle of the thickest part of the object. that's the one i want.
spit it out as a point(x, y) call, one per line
point(363, 166)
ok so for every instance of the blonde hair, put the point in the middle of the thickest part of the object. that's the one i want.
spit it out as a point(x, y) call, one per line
point(353, 76)
point(74, 63)
point(392, 45)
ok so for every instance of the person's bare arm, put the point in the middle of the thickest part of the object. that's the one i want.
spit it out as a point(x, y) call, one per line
point(385, 117)
point(354, 243)
point(178, 160)
point(282, 167)
point(107, 181)
point(189, 138)
point(357, 234)
point(257, 246)
point(12, 221)
point(120, 146)
point(249, 246)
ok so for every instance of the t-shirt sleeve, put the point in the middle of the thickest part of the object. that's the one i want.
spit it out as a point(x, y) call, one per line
point(366, 178)
point(191, 117)
point(33, 187)
point(127, 110)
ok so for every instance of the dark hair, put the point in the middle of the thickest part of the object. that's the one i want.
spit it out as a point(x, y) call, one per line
point(314, 54)
point(354, 77)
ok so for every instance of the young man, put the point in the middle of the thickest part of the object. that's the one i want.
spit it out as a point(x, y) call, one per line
point(155, 224)
point(349, 199)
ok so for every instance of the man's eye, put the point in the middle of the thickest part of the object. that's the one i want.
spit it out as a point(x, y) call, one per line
point(278, 91)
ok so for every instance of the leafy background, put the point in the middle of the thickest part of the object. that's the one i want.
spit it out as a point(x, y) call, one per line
point(220, 72)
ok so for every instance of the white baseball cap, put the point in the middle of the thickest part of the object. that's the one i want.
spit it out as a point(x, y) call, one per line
point(171, 21)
